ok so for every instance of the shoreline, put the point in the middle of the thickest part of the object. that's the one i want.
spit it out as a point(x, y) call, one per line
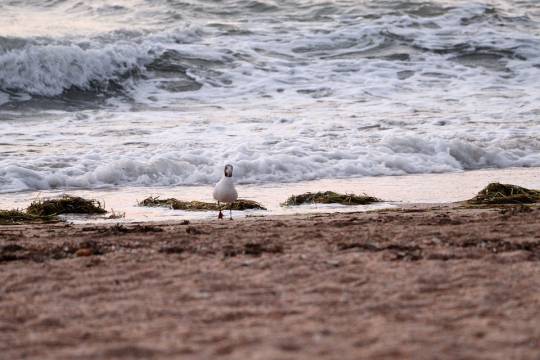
point(421, 282)
point(395, 191)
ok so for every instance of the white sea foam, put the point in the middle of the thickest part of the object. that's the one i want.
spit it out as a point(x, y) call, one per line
point(99, 153)
point(49, 70)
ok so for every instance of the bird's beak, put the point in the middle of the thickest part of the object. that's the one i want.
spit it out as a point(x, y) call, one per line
point(228, 170)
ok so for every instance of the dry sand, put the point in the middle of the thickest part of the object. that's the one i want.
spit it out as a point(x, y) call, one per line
point(439, 283)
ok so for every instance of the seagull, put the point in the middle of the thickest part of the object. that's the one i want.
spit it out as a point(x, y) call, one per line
point(225, 191)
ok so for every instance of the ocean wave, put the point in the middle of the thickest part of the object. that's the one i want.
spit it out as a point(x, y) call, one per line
point(221, 61)
point(50, 70)
point(394, 155)
point(287, 91)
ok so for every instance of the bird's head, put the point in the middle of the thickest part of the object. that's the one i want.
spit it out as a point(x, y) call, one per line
point(228, 170)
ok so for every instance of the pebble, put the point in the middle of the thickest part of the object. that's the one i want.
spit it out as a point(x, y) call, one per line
point(83, 252)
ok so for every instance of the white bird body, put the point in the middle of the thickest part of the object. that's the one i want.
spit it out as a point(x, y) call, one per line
point(225, 191)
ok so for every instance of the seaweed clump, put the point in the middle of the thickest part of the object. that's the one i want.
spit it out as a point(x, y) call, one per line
point(65, 205)
point(329, 197)
point(175, 204)
point(13, 217)
point(496, 193)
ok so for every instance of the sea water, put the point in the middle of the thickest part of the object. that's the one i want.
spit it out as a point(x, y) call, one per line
point(146, 95)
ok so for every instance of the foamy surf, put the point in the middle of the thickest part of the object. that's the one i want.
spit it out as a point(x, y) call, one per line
point(87, 154)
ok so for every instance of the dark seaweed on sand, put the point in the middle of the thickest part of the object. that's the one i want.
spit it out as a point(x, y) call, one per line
point(65, 205)
point(329, 197)
point(10, 217)
point(240, 204)
point(496, 193)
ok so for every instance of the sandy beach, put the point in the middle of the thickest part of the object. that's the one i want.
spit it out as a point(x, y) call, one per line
point(363, 149)
point(425, 282)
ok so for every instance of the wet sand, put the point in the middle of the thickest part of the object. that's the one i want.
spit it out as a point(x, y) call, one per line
point(393, 190)
point(420, 283)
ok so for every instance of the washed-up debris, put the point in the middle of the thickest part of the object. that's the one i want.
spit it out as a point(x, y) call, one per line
point(329, 197)
point(14, 217)
point(496, 193)
point(253, 249)
point(175, 204)
point(396, 251)
point(67, 204)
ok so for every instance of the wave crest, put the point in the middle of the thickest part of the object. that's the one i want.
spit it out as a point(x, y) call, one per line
point(49, 70)
point(394, 155)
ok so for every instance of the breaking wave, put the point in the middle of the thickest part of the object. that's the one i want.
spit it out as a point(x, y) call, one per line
point(394, 155)
point(329, 47)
